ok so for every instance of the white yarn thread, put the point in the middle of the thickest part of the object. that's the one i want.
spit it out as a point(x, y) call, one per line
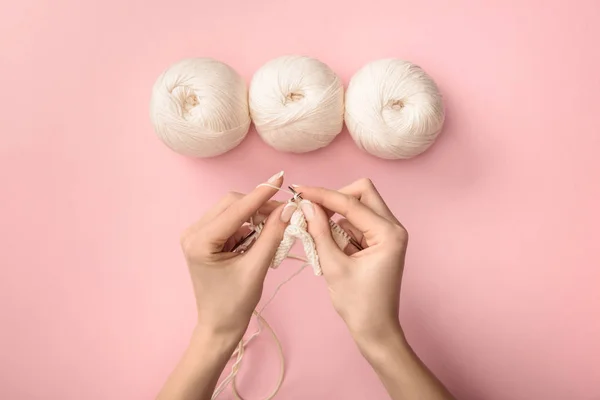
point(239, 351)
point(199, 107)
point(394, 110)
point(296, 104)
point(295, 230)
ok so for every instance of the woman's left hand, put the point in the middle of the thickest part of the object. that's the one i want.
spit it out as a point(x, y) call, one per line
point(228, 285)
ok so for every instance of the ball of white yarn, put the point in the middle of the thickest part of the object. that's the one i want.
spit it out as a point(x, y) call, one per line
point(199, 107)
point(394, 110)
point(297, 104)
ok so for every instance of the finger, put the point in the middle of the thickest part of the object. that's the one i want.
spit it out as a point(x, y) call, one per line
point(328, 212)
point(237, 236)
point(227, 201)
point(318, 226)
point(240, 211)
point(366, 192)
point(348, 206)
point(353, 232)
point(219, 207)
point(262, 252)
point(263, 212)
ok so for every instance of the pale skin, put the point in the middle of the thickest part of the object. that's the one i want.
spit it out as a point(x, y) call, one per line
point(364, 286)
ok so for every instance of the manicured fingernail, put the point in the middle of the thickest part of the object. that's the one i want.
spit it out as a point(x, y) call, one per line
point(275, 177)
point(288, 210)
point(308, 209)
point(295, 185)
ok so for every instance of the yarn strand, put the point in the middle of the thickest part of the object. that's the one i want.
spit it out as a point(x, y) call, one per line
point(239, 351)
point(297, 229)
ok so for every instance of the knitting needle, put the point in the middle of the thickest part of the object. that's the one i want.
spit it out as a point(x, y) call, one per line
point(297, 196)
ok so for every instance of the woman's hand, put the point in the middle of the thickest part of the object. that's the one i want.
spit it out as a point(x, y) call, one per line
point(227, 285)
point(364, 285)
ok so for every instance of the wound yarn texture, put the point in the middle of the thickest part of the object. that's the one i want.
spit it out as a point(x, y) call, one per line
point(199, 107)
point(296, 104)
point(394, 110)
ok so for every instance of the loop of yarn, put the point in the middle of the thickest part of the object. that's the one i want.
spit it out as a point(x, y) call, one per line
point(394, 110)
point(199, 107)
point(296, 104)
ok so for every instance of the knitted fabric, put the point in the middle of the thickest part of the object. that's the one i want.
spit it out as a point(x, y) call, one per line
point(297, 230)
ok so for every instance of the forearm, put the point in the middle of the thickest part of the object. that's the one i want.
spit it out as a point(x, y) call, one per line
point(198, 371)
point(401, 371)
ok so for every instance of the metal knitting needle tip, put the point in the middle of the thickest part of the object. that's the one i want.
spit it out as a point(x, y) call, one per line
point(297, 196)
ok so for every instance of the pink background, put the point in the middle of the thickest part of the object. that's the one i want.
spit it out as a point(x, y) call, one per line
point(501, 292)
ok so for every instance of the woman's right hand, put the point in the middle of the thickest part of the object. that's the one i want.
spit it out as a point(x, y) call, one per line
point(364, 285)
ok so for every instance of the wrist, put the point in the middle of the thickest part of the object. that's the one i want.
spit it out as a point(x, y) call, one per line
point(379, 343)
point(221, 330)
point(198, 371)
point(214, 344)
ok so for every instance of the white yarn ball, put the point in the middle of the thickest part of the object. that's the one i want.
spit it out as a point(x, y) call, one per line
point(199, 107)
point(394, 110)
point(297, 104)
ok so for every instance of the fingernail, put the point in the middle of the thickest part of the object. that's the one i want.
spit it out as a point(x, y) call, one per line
point(308, 209)
point(295, 185)
point(275, 177)
point(288, 210)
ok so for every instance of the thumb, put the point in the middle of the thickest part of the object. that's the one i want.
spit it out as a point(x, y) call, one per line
point(318, 226)
point(262, 252)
